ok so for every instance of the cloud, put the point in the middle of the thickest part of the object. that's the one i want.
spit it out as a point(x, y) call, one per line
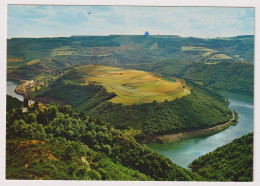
point(105, 20)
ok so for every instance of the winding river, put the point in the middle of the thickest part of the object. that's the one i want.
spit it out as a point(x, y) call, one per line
point(11, 85)
point(185, 151)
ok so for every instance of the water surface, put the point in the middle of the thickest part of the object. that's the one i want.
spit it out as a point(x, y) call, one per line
point(183, 152)
point(11, 85)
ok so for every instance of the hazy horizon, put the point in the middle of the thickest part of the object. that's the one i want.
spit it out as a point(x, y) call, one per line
point(126, 35)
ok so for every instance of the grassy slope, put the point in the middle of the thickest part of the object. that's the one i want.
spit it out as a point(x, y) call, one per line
point(231, 162)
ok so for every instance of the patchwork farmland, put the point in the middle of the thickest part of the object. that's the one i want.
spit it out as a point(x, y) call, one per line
point(132, 86)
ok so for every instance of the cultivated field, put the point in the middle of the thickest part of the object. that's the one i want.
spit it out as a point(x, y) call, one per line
point(133, 86)
point(11, 62)
point(209, 53)
point(188, 48)
point(11, 59)
point(206, 54)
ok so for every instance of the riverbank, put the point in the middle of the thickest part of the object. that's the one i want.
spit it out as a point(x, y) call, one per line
point(19, 83)
point(189, 134)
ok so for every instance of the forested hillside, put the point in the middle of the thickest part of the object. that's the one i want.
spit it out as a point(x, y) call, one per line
point(231, 162)
point(201, 109)
point(59, 143)
point(240, 48)
point(231, 77)
point(13, 103)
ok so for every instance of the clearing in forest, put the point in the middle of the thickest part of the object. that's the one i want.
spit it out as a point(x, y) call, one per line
point(133, 86)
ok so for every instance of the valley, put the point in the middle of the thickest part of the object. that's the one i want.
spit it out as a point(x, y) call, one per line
point(118, 91)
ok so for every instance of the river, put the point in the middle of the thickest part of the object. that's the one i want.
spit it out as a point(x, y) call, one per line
point(183, 152)
point(11, 85)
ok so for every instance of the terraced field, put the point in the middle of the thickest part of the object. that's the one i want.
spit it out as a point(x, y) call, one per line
point(211, 56)
point(133, 86)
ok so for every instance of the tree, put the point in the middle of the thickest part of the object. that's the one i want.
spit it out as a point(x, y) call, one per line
point(36, 105)
point(52, 112)
point(42, 117)
point(25, 102)
point(31, 117)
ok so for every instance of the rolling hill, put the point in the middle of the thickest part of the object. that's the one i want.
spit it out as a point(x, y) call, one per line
point(89, 89)
point(33, 58)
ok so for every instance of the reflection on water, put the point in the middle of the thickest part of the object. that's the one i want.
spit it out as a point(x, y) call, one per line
point(185, 151)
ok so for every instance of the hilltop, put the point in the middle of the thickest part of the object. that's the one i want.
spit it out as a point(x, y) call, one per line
point(130, 86)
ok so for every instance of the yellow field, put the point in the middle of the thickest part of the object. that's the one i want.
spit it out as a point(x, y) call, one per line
point(220, 56)
point(33, 62)
point(206, 54)
point(9, 60)
point(133, 86)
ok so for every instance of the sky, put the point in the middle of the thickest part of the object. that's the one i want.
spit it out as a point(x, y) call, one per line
point(63, 21)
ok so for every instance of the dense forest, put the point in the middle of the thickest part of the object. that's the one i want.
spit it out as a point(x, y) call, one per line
point(59, 143)
point(231, 77)
point(201, 109)
point(12, 103)
point(231, 162)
